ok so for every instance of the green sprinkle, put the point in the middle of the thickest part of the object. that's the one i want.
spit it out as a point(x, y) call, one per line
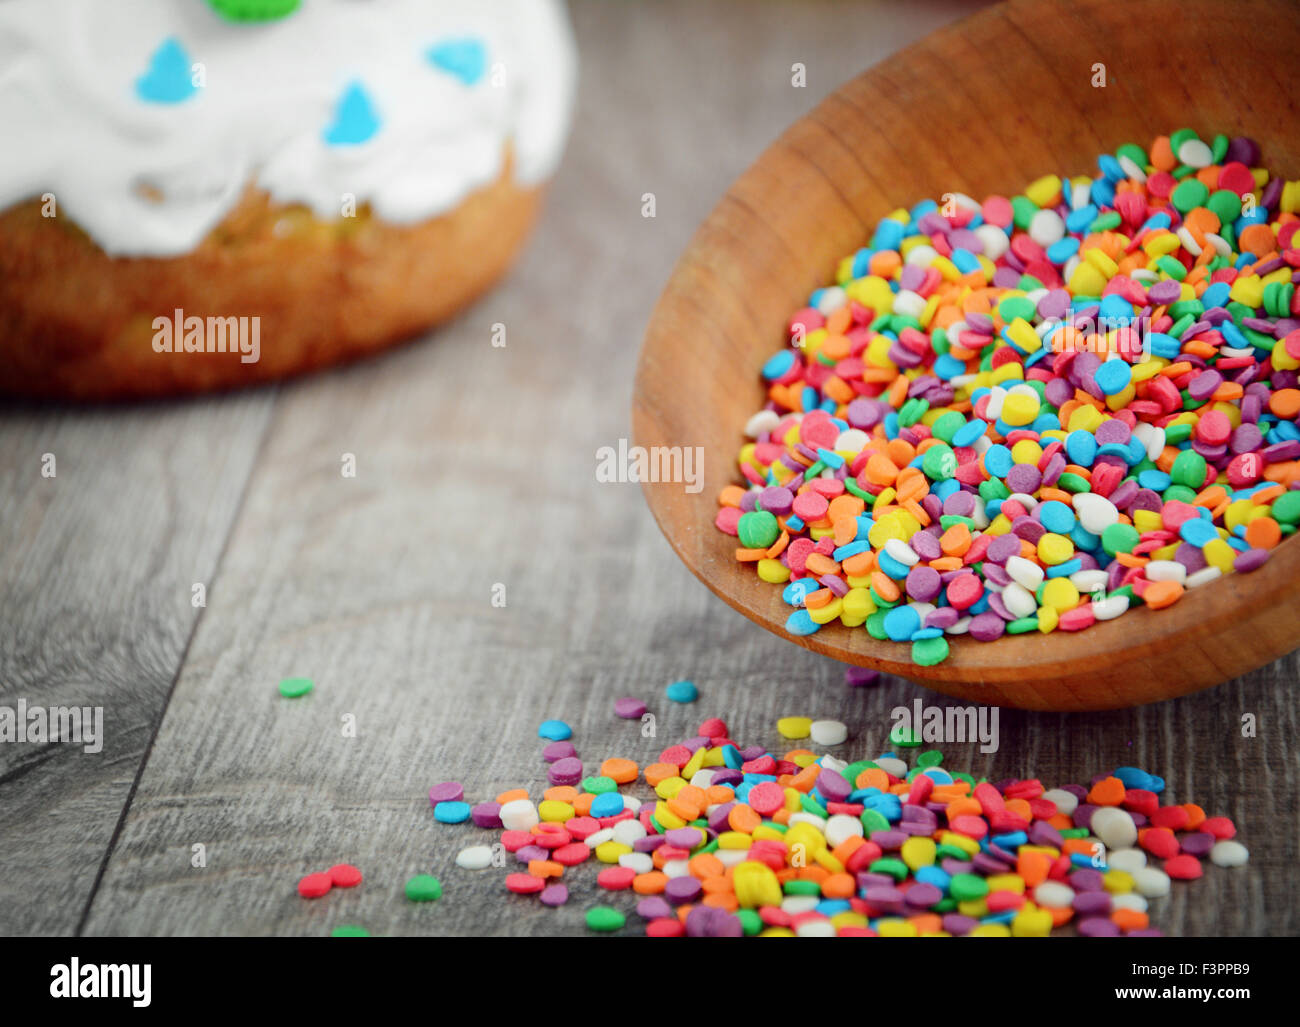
point(873, 820)
point(750, 922)
point(1286, 508)
point(1189, 469)
point(1190, 194)
point(929, 758)
point(757, 529)
point(904, 737)
point(599, 785)
point(423, 888)
point(928, 651)
point(797, 887)
point(295, 688)
point(895, 868)
point(1119, 538)
point(605, 918)
point(965, 887)
point(1022, 626)
point(349, 931)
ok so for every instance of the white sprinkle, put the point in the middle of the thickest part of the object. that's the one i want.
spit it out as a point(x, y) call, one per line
point(1165, 570)
point(1054, 895)
point(893, 766)
point(628, 831)
point(1128, 860)
point(1195, 154)
point(519, 815)
point(641, 862)
point(1110, 607)
point(902, 552)
point(1229, 853)
point(1151, 882)
point(764, 420)
point(841, 827)
point(1203, 577)
point(1025, 573)
point(828, 732)
point(1096, 513)
point(1114, 827)
point(1066, 802)
point(476, 857)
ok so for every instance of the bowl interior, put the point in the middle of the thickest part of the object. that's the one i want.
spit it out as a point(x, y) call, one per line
point(984, 106)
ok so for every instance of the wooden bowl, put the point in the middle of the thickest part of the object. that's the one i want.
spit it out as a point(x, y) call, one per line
point(984, 106)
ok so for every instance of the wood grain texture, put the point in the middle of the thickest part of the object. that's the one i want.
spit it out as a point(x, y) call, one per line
point(96, 570)
point(379, 587)
point(933, 119)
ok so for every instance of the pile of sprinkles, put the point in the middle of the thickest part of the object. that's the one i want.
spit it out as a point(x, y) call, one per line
point(1035, 413)
point(734, 841)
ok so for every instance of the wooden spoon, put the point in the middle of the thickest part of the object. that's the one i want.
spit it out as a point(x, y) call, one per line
point(984, 106)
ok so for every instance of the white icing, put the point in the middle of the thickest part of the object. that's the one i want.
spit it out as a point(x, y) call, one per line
point(72, 123)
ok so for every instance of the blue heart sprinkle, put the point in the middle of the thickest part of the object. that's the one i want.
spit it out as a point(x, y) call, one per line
point(169, 78)
point(464, 58)
point(355, 120)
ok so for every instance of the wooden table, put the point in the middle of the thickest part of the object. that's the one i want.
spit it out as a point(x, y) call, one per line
point(475, 468)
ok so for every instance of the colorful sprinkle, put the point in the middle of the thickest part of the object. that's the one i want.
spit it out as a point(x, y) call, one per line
point(1034, 414)
point(466, 59)
point(423, 888)
point(683, 691)
point(170, 78)
point(355, 120)
point(254, 10)
point(555, 730)
point(295, 688)
point(731, 840)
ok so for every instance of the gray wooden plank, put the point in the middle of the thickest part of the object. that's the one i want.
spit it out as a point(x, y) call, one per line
point(476, 466)
point(97, 565)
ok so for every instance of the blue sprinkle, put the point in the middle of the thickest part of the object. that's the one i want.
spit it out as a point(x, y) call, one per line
point(998, 461)
point(1198, 531)
point(451, 812)
point(1154, 479)
point(970, 432)
point(893, 568)
point(1056, 516)
point(464, 58)
point(170, 75)
point(555, 730)
point(1081, 447)
point(607, 804)
point(685, 691)
point(355, 120)
point(901, 623)
point(779, 365)
point(1113, 377)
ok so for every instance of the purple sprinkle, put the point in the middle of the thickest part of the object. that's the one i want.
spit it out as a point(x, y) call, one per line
point(448, 791)
point(629, 708)
point(854, 677)
point(554, 895)
point(987, 627)
point(486, 814)
point(558, 751)
point(1250, 560)
point(683, 889)
point(653, 907)
point(566, 771)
